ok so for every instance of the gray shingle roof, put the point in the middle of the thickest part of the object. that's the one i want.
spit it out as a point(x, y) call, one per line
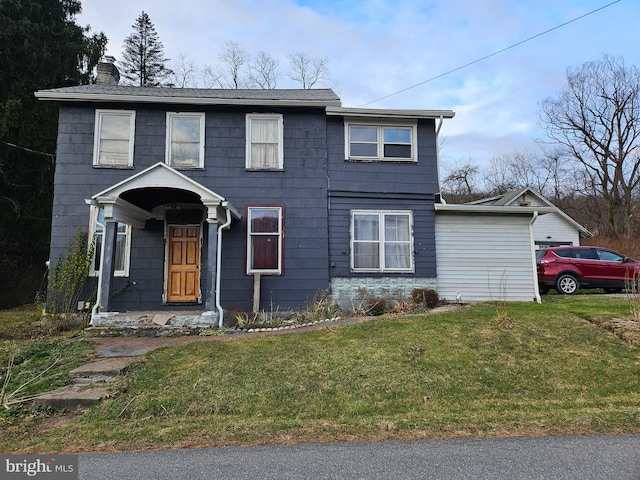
point(198, 96)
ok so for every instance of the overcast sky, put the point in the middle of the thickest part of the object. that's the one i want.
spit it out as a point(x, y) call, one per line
point(378, 49)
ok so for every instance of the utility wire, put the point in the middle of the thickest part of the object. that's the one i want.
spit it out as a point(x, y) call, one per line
point(50, 155)
point(491, 54)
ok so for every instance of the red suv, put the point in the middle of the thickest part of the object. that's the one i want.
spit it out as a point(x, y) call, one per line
point(570, 268)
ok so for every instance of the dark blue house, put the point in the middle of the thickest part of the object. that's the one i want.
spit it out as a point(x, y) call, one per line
point(198, 199)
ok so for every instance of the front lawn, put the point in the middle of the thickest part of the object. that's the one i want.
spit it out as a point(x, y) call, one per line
point(481, 370)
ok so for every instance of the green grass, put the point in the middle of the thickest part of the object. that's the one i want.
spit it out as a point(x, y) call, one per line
point(34, 358)
point(548, 370)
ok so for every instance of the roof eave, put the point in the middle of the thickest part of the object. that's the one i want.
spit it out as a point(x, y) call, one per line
point(491, 209)
point(58, 96)
point(388, 113)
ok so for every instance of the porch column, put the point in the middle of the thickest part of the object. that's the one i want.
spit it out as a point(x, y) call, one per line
point(210, 274)
point(107, 263)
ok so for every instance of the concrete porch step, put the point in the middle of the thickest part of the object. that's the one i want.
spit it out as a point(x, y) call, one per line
point(73, 397)
point(146, 330)
point(91, 384)
point(101, 371)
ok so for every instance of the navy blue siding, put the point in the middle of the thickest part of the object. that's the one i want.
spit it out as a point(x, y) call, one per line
point(317, 188)
point(382, 186)
point(300, 188)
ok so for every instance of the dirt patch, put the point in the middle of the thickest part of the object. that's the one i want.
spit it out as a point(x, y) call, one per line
point(51, 422)
point(628, 329)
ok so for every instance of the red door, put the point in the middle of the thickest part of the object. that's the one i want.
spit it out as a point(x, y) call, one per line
point(183, 275)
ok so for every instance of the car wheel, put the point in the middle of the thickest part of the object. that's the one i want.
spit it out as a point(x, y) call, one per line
point(543, 290)
point(567, 284)
point(612, 290)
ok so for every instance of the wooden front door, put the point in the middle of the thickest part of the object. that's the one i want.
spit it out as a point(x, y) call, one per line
point(183, 275)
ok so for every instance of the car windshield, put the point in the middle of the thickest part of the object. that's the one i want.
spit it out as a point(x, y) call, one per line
point(540, 254)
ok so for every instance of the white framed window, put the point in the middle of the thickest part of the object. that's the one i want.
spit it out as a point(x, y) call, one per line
point(185, 140)
point(122, 246)
point(113, 138)
point(382, 241)
point(265, 140)
point(264, 239)
point(376, 142)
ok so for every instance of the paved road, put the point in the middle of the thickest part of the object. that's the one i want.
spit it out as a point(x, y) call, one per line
point(556, 458)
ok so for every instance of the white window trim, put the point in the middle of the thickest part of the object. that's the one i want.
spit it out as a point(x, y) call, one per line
point(272, 116)
point(201, 117)
point(380, 126)
point(249, 252)
point(100, 113)
point(382, 240)
point(92, 233)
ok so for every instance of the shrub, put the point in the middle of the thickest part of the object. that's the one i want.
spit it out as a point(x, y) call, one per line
point(376, 306)
point(425, 297)
point(66, 281)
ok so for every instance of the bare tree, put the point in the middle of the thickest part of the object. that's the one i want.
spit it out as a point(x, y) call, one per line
point(263, 71)
point(307, 70)
point(210, 77)
point(184, 72)
point(498, 177)
point(232, 73)
point(143, 58)
point(461, 183)
point(596, 119)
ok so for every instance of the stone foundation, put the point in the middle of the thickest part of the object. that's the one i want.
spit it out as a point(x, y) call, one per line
point(351, 292)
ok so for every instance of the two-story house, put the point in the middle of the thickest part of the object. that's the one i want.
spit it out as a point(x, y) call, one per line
point(196, 199)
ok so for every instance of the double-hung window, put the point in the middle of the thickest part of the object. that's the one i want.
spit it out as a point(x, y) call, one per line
point(264, 239)
point(113, 139)
point(185, 140)
point(381, 241)
point(122, 246)
point(264, 142)
point(381, 142)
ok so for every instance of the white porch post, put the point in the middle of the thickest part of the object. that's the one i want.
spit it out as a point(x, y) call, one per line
point(210, 274)
point(107, 264)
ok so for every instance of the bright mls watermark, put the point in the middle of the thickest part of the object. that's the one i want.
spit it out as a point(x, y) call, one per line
point(51, 467)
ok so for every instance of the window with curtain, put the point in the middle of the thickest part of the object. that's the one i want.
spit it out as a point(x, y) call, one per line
point(264, 142)
point(264, 240)
point(114, 133)
point(122, 246)
point(382, 241)
point(381, 142)
point(185, 140)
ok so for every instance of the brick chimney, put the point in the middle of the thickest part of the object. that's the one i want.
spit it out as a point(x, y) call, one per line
point(108, 73)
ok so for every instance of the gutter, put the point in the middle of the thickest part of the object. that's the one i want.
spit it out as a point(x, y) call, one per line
point(225, 225)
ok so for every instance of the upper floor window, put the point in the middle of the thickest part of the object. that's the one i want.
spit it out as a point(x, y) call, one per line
point(264, 142)
point(381, 142)
point(113, 139)
point(264, 240)
point(185, 140)
point(122, 246)
point(381, 241)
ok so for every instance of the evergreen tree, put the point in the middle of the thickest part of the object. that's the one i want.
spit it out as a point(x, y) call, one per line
point(41, 47)
point(144, 63)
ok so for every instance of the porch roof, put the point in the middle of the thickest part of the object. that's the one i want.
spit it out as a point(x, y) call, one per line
point(158, 176)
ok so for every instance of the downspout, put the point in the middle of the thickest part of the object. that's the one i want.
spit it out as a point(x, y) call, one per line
point(438, 158)
point(536, 289)
point(219, 260)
